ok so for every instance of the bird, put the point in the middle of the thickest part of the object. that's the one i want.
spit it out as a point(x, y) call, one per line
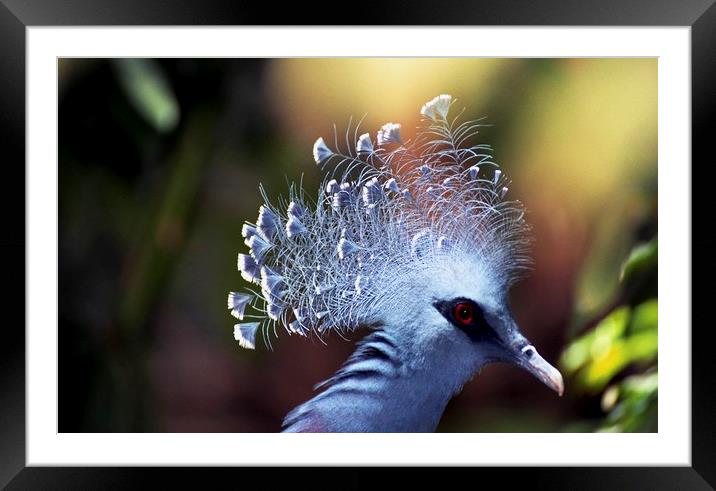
point(415, 240)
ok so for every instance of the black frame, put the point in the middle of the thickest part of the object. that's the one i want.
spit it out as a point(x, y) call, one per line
point(15, 15)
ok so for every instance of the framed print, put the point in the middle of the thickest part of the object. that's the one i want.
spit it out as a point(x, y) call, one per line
point(428, 231)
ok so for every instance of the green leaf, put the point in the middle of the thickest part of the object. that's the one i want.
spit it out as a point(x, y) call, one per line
point(645, 317)
point(642, 258)
point(601, 353)
point(610, 329)
point(632, 404)
point(642, 347)
point(149, 92)
point(624, 337)
point(605, 365)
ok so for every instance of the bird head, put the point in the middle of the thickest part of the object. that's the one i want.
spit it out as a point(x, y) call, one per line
point(457, 318)
point(413, 236)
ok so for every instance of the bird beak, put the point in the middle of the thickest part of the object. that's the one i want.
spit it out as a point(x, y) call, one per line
point(530, 360)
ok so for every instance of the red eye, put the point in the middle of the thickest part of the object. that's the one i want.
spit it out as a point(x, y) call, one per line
point(464, 313)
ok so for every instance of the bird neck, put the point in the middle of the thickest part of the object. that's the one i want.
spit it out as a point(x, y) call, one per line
point(375, 392)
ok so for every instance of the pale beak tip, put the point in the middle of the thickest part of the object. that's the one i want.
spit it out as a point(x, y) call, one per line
point(560, 387)
point(555, 381)
point(548, 374)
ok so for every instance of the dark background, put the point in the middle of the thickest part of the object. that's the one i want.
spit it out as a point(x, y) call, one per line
point(160, 162)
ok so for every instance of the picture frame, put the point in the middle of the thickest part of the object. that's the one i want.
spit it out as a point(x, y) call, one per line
point(16, 16)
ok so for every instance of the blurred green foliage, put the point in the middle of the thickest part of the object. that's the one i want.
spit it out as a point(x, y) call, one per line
point(147, 88)
point(631, 404)
point(622, 340)
point(642, 259)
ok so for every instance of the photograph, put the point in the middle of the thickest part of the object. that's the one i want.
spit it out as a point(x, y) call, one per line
point(352, 245)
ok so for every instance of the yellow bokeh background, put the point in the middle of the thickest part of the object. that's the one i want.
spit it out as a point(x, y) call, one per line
point(578, 136)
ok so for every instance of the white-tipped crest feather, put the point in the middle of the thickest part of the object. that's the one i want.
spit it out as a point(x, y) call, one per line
point(237, 304)
point(245, 334)
point(437, 108)
point(364, 144)
point(321, 151)
point(389, 133)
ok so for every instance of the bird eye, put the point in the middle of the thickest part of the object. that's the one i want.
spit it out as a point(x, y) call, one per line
point(464, 313)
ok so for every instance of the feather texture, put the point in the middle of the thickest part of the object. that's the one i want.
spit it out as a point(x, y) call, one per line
point(381, 214)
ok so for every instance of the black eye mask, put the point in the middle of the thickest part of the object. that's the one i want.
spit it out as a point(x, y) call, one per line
point(467, 316)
